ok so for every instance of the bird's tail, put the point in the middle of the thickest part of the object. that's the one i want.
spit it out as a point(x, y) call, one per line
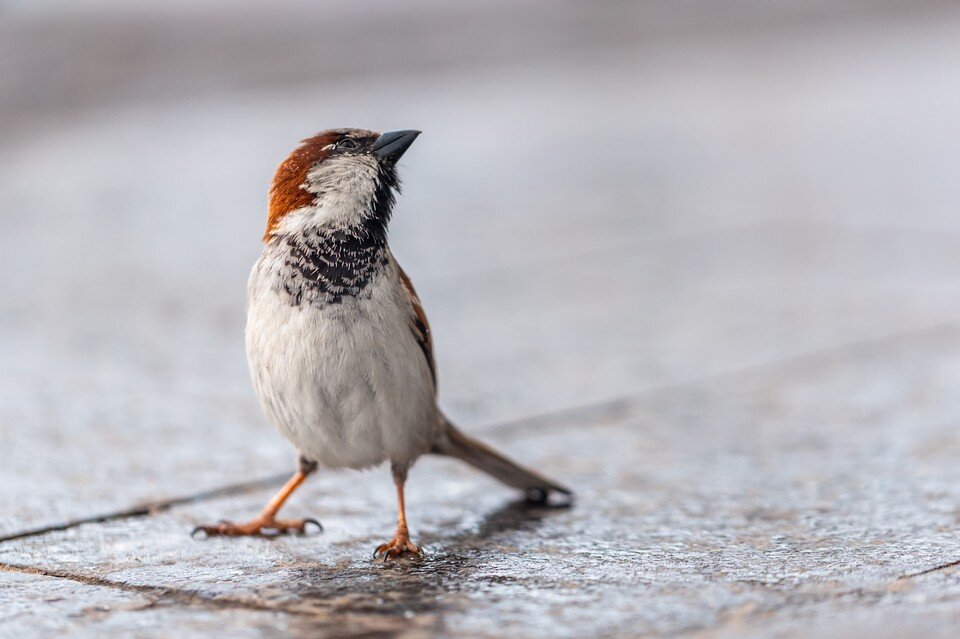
point(454, 443)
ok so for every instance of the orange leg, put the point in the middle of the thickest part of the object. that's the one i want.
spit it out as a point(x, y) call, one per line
point(400, 544)
point(266, 523)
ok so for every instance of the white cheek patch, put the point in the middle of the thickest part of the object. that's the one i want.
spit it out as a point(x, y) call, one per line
point(345, 187)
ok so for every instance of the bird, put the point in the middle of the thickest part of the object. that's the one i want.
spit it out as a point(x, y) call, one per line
point(338, 344)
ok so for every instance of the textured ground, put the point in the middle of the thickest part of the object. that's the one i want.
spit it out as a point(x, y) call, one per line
point(702, 265)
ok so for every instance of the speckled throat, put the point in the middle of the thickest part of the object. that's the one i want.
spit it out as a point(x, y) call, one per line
point(323, 266)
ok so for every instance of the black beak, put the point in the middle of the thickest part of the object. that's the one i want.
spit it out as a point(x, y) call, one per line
point(392, 144)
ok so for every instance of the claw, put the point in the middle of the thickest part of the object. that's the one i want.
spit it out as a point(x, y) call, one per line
point(313, 521)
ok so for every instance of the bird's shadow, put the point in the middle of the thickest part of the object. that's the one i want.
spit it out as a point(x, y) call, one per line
point(409, 589)
point(514, 516)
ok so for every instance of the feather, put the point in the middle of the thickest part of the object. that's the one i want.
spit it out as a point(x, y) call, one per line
point(454, 443)
point(420, 327)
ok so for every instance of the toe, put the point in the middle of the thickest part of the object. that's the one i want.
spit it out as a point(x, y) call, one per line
point(221, 529)
point(397, 548)
point(229, 529)
point(298, 526)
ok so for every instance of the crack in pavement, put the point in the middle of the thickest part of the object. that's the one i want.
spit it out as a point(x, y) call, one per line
point(615, 408)
point(153, 507)
point(173, 595)
point(382, 598)
point(619, 407)
point(952, 564)
point(321, 602)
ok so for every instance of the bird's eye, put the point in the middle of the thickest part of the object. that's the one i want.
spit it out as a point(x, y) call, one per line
point(348, 144)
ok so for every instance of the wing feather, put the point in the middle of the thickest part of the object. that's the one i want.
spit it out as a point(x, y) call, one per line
point(419, 326)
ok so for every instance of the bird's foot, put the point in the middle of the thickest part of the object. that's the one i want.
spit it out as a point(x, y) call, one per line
point(260, 526)
point(398, 547)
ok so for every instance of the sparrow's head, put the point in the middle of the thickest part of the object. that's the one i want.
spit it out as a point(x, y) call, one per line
point(338, 178)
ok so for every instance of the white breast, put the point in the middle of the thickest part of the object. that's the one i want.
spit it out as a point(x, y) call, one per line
point(346, 383)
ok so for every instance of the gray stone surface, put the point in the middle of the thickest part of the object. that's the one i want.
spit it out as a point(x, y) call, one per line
point(820, 483)
point(700, 264)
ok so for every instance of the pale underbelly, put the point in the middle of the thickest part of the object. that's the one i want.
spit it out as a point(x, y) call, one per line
point(348, 391)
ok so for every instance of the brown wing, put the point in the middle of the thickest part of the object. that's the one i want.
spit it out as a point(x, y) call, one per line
point(420, 327)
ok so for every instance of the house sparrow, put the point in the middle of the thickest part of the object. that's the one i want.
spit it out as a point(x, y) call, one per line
point(337, 341)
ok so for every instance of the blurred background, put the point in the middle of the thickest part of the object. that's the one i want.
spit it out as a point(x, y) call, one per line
point(607, 197)
point(610, 200)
